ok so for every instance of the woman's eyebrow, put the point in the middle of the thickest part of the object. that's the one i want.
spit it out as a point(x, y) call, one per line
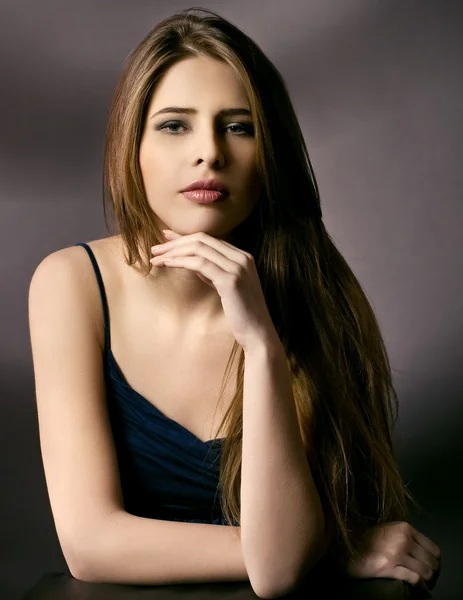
point(226, 112)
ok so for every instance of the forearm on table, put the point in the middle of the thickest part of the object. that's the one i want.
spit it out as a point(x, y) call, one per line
point(282, 520)
point(138, 550)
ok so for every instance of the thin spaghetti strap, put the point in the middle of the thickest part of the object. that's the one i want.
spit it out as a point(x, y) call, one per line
point(104, 301)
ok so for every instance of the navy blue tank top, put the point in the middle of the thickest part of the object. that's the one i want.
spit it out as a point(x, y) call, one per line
point(166, 471)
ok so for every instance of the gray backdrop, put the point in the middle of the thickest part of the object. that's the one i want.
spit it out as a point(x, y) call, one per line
point(377, 87)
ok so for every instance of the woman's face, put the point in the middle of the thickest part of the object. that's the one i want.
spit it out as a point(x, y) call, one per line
point(177, 149)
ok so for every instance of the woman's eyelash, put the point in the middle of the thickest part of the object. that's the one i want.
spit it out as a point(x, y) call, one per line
point(247, 128)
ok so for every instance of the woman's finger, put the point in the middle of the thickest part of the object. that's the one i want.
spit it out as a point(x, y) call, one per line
point(426, 543)
point(424, 556)
point(421, 569)
point(409, 575)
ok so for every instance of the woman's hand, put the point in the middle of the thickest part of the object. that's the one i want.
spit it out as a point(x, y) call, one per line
point(232, 273)
point(396, 550)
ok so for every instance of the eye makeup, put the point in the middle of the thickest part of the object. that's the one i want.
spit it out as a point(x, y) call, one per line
point(246, 128)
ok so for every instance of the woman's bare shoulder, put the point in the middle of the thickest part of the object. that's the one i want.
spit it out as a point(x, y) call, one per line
point(76, 258)
point(103, 249)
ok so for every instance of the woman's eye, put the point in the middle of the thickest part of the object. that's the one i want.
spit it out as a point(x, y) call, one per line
point(247, 128)
point(169, 126)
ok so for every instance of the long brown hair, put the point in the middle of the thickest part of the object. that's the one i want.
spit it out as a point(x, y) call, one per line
point(341, 377)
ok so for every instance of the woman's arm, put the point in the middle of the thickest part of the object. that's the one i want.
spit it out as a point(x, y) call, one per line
point(136, 550)
point(282, 519)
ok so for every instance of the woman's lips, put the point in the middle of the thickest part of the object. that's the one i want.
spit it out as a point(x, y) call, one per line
point(204, 196)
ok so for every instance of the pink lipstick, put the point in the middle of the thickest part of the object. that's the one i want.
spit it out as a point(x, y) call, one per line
point(204, 196)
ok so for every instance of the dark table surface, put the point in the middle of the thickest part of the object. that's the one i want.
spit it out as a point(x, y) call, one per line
point(322, 584)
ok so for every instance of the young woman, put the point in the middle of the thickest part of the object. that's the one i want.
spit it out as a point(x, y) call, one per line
point(247, 283)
